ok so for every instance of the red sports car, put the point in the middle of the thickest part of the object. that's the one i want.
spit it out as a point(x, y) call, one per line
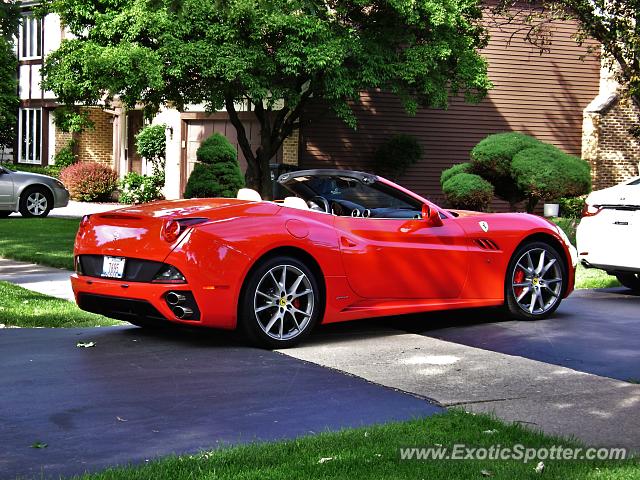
point(345, 245)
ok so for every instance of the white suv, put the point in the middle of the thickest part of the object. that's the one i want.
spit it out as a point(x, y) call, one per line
point(608, 236)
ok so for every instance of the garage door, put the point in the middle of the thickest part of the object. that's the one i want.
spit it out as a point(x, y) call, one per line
point(197, 130)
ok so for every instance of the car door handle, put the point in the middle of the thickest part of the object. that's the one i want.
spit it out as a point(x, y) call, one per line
point(347, 242)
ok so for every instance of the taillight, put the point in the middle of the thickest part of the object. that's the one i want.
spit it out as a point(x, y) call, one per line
point(590, 210)
point(172, 229)
point(169, 274)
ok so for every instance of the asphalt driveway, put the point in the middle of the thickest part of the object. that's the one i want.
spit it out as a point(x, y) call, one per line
point(138, 395)
point(594, 331)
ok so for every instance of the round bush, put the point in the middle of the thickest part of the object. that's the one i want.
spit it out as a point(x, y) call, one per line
point(397, 154)
point(456, 169)
point(492, 157)
point(468, 191)
point(547, 173)
point(89, 182)
point(216, 149)
point(219, 180)
point(218, 173)
point(151, 142)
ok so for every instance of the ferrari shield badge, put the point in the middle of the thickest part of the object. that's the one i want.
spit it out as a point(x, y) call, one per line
point(484, 226)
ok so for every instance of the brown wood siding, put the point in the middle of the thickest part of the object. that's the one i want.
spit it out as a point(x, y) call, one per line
point(541, 95)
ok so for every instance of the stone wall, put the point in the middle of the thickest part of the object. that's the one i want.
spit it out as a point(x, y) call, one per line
point(611, 150)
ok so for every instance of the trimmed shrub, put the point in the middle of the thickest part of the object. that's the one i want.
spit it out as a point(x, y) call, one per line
point(216, 149)
point(547, 173)
point(456, 169)
point(136, 188)
point(571, 207)
point(468, 191)
point(218, 173)
point(397, 154)
point(492, 157)
point(89, 182)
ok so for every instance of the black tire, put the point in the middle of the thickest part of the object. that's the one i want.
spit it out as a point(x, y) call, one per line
point(5, 213)
point(32, 195)
point(547, 289)
point(629, 280)
point(295, 312)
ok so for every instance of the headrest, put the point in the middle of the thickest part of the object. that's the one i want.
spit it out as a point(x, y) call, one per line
point(295, 202)
point(249, 195)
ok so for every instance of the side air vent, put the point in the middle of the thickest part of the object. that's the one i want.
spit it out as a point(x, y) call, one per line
point(486, 244)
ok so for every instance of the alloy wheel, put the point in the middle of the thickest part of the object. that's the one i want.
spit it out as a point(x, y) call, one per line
point(537, 281)
point(37, 204)
point(283, 302)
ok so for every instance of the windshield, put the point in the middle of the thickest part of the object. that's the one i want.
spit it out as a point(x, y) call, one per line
point(348, 196)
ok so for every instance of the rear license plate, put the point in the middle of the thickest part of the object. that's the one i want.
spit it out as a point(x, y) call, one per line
point(113, 267)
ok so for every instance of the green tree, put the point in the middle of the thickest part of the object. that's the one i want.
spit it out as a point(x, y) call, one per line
point(615, 24)
point(275, 55)
point(217, 173)
point(9, 21)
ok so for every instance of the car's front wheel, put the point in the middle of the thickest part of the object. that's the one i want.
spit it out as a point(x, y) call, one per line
point(35, 202)
point(629, 280)
point(280, 303)
point(535, 282)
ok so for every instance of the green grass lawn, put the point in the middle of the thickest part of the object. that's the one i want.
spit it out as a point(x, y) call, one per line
point(47, 241)
point(373, 453)
point(23, 308)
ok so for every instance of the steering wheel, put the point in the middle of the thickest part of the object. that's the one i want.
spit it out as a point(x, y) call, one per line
point(322, 206)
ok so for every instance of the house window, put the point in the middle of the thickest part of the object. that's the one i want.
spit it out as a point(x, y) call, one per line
point(30, 38)
point(30, 134)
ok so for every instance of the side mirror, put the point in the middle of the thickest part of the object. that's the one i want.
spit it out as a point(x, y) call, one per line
point(431, 215)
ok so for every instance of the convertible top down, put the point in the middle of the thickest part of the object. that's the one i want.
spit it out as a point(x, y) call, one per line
point(345, 245)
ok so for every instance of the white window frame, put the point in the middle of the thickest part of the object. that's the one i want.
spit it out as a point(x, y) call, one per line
point(29, 48)
point(33, 154)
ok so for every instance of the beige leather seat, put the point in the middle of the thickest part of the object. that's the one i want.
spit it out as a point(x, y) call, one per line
point(248, 194)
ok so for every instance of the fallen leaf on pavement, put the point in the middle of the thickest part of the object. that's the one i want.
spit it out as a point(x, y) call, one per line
point(39, 445)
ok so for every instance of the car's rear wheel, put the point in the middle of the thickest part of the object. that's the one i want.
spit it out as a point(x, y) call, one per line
point(35, 202)
point(629, 280)
point(535, 281)
point(5, 213)
point(280, 303)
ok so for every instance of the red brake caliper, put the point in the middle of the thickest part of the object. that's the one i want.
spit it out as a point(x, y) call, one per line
point(518, 278)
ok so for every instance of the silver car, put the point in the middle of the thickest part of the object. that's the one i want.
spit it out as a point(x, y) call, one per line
point(31, 194)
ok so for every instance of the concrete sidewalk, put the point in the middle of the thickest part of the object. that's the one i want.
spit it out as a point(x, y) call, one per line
point(79, 209)
point(597, 410)
point(47, 280)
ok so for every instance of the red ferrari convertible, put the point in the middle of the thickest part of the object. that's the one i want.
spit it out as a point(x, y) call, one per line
point(345, 245)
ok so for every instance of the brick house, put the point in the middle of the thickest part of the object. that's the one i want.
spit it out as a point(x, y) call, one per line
point(550, 96)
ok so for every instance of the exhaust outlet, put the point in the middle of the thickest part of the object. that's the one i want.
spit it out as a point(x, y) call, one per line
point(182, 312)
point(174, 298)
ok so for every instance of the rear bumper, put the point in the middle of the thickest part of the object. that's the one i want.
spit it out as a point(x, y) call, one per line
point(129, 301)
